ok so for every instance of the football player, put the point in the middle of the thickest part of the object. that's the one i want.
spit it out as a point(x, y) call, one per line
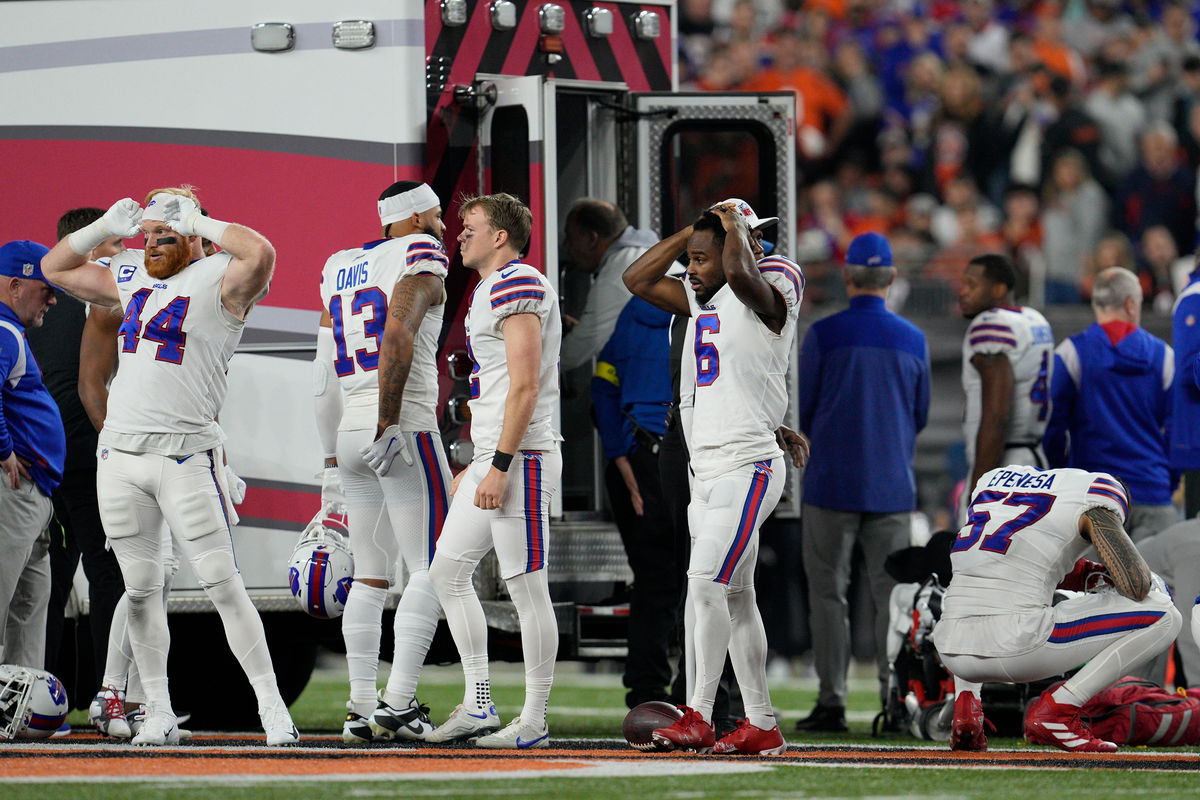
point(743, 325)
point(159, 459)
point(1008, 356)
point(502, 500)
point(1025, 529)
point(383, 307)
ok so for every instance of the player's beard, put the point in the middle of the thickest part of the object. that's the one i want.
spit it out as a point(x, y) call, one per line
point(174, 258)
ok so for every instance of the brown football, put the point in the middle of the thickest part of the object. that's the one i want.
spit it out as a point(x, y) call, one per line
point(642, 720)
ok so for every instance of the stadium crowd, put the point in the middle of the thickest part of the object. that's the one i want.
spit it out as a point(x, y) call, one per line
point(1064, 134)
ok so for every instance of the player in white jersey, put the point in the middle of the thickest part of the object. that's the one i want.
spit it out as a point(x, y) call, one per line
point(1025, 530)
point(743, 329)
point(1008, 356)
point(159, 450)
point(513, 335)
point(383, 306)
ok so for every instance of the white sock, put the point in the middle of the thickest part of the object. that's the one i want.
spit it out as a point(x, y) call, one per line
point(416, 622)
point(539, 641)
point(361, 629)
point(451, 579)
point(713, 631)
point(748, 652)
point(969, 687)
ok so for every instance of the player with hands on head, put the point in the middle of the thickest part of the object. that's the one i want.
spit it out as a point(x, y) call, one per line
point(744, 312)
point(160, 448)
point(502, 500)
point(1026, 530)
point(377, 394)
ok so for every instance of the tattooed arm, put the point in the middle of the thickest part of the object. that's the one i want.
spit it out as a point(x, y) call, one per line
point(411, 298)
point(1128, 570)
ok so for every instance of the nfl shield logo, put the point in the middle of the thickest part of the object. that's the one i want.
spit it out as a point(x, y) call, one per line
point(27, 270)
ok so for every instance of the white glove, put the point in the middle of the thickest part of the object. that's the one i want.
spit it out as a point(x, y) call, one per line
point(180, 214)
point(331, 487)
point(237, 486)
point(379, 454)
point(123, 218)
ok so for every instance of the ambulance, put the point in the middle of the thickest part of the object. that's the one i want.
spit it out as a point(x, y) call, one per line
point(290, 116)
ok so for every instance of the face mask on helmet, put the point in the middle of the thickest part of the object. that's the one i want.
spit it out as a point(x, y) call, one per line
point(322, 567)
point(33, 703)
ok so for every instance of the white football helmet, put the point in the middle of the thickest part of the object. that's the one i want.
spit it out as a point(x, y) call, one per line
point(322, 566)
point(33, 703)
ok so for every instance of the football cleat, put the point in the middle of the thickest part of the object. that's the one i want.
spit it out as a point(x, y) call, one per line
point(410, 723)
point(356, 729)
point(464, 724)
point(516, 735)
point(278, 725)
point(1058, 725)
point(156, 729)
point(750, 740)
point(966, 732)
point(689, 732)
point(107, 714)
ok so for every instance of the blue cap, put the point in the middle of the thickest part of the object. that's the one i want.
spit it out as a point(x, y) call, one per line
point(869, 250)
point(23, 259)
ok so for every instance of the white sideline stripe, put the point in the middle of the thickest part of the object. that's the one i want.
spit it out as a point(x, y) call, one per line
point(614, 711)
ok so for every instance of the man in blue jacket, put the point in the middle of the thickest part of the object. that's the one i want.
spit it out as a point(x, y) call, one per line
point(32, 452)
point(864, 396)
point(1185, 392)
point(631, 391)
point(1110, 399)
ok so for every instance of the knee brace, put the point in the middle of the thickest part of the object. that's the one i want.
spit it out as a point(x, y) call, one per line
point(142, 579)
point(214, 568)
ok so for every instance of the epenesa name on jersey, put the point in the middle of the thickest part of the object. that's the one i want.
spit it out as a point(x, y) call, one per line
point(1022, 480)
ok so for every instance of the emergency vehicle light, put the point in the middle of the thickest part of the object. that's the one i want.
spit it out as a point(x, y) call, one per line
point(454, 13)
point(553, 18)
point(504, 15)
point(353, 34)
point(599, 22)
point(272, 37)
point(647, 24)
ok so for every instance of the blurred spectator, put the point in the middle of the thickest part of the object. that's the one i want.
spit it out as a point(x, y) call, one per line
point(1110, 404)
point(920, 102)
point(1098, 22)
point(1051, 49)
point(988, 45)
point(962, 198)
point(1022, 235)
point(1072, 128)
point(1120, 116)
point(1159, 191)
point(1073, 216)
point(1157, 257)
point(1184, 114)
point(1158, 63)
point(853, 72)
point(1113, 250)
point(825, 214)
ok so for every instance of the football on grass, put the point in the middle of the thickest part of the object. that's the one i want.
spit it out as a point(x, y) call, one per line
point(644, 719)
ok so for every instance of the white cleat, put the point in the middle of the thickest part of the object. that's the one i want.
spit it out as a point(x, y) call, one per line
point(464, 724)
point(157, 729)
point(356, 729)
point(516, 735)
point(278, 725)
point(107, 714)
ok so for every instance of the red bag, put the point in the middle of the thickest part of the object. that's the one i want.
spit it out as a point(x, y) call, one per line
point(1134, 711)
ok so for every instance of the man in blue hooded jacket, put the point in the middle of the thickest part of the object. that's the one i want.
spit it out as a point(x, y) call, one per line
point(1185, 392)
point(1110, 398)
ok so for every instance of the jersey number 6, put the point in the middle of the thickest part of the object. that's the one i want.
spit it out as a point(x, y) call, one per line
point(708, 360)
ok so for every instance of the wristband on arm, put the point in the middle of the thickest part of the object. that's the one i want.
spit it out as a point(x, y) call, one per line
point(502, 461)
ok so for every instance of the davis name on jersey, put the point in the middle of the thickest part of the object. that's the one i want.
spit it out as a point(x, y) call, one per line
point(740, 371)
point(174, 347)
point(1021, 537)
point(356, 286)
point(1024, 336)
point(513, 289)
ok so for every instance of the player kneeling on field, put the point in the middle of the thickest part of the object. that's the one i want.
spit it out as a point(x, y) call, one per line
point(1025, 529)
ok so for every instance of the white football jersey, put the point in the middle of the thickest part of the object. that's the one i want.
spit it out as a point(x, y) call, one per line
point(1025, 337)
point(1020, 539)
point(740, 374)
point(174, 346)
point(514, 289)
point(356, 287)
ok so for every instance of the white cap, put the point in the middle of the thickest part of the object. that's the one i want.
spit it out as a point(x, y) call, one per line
point(404, 205)
point(755, 222)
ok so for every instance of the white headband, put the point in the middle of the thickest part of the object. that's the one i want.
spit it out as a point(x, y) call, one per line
point(404, 205)
point(154, 209)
